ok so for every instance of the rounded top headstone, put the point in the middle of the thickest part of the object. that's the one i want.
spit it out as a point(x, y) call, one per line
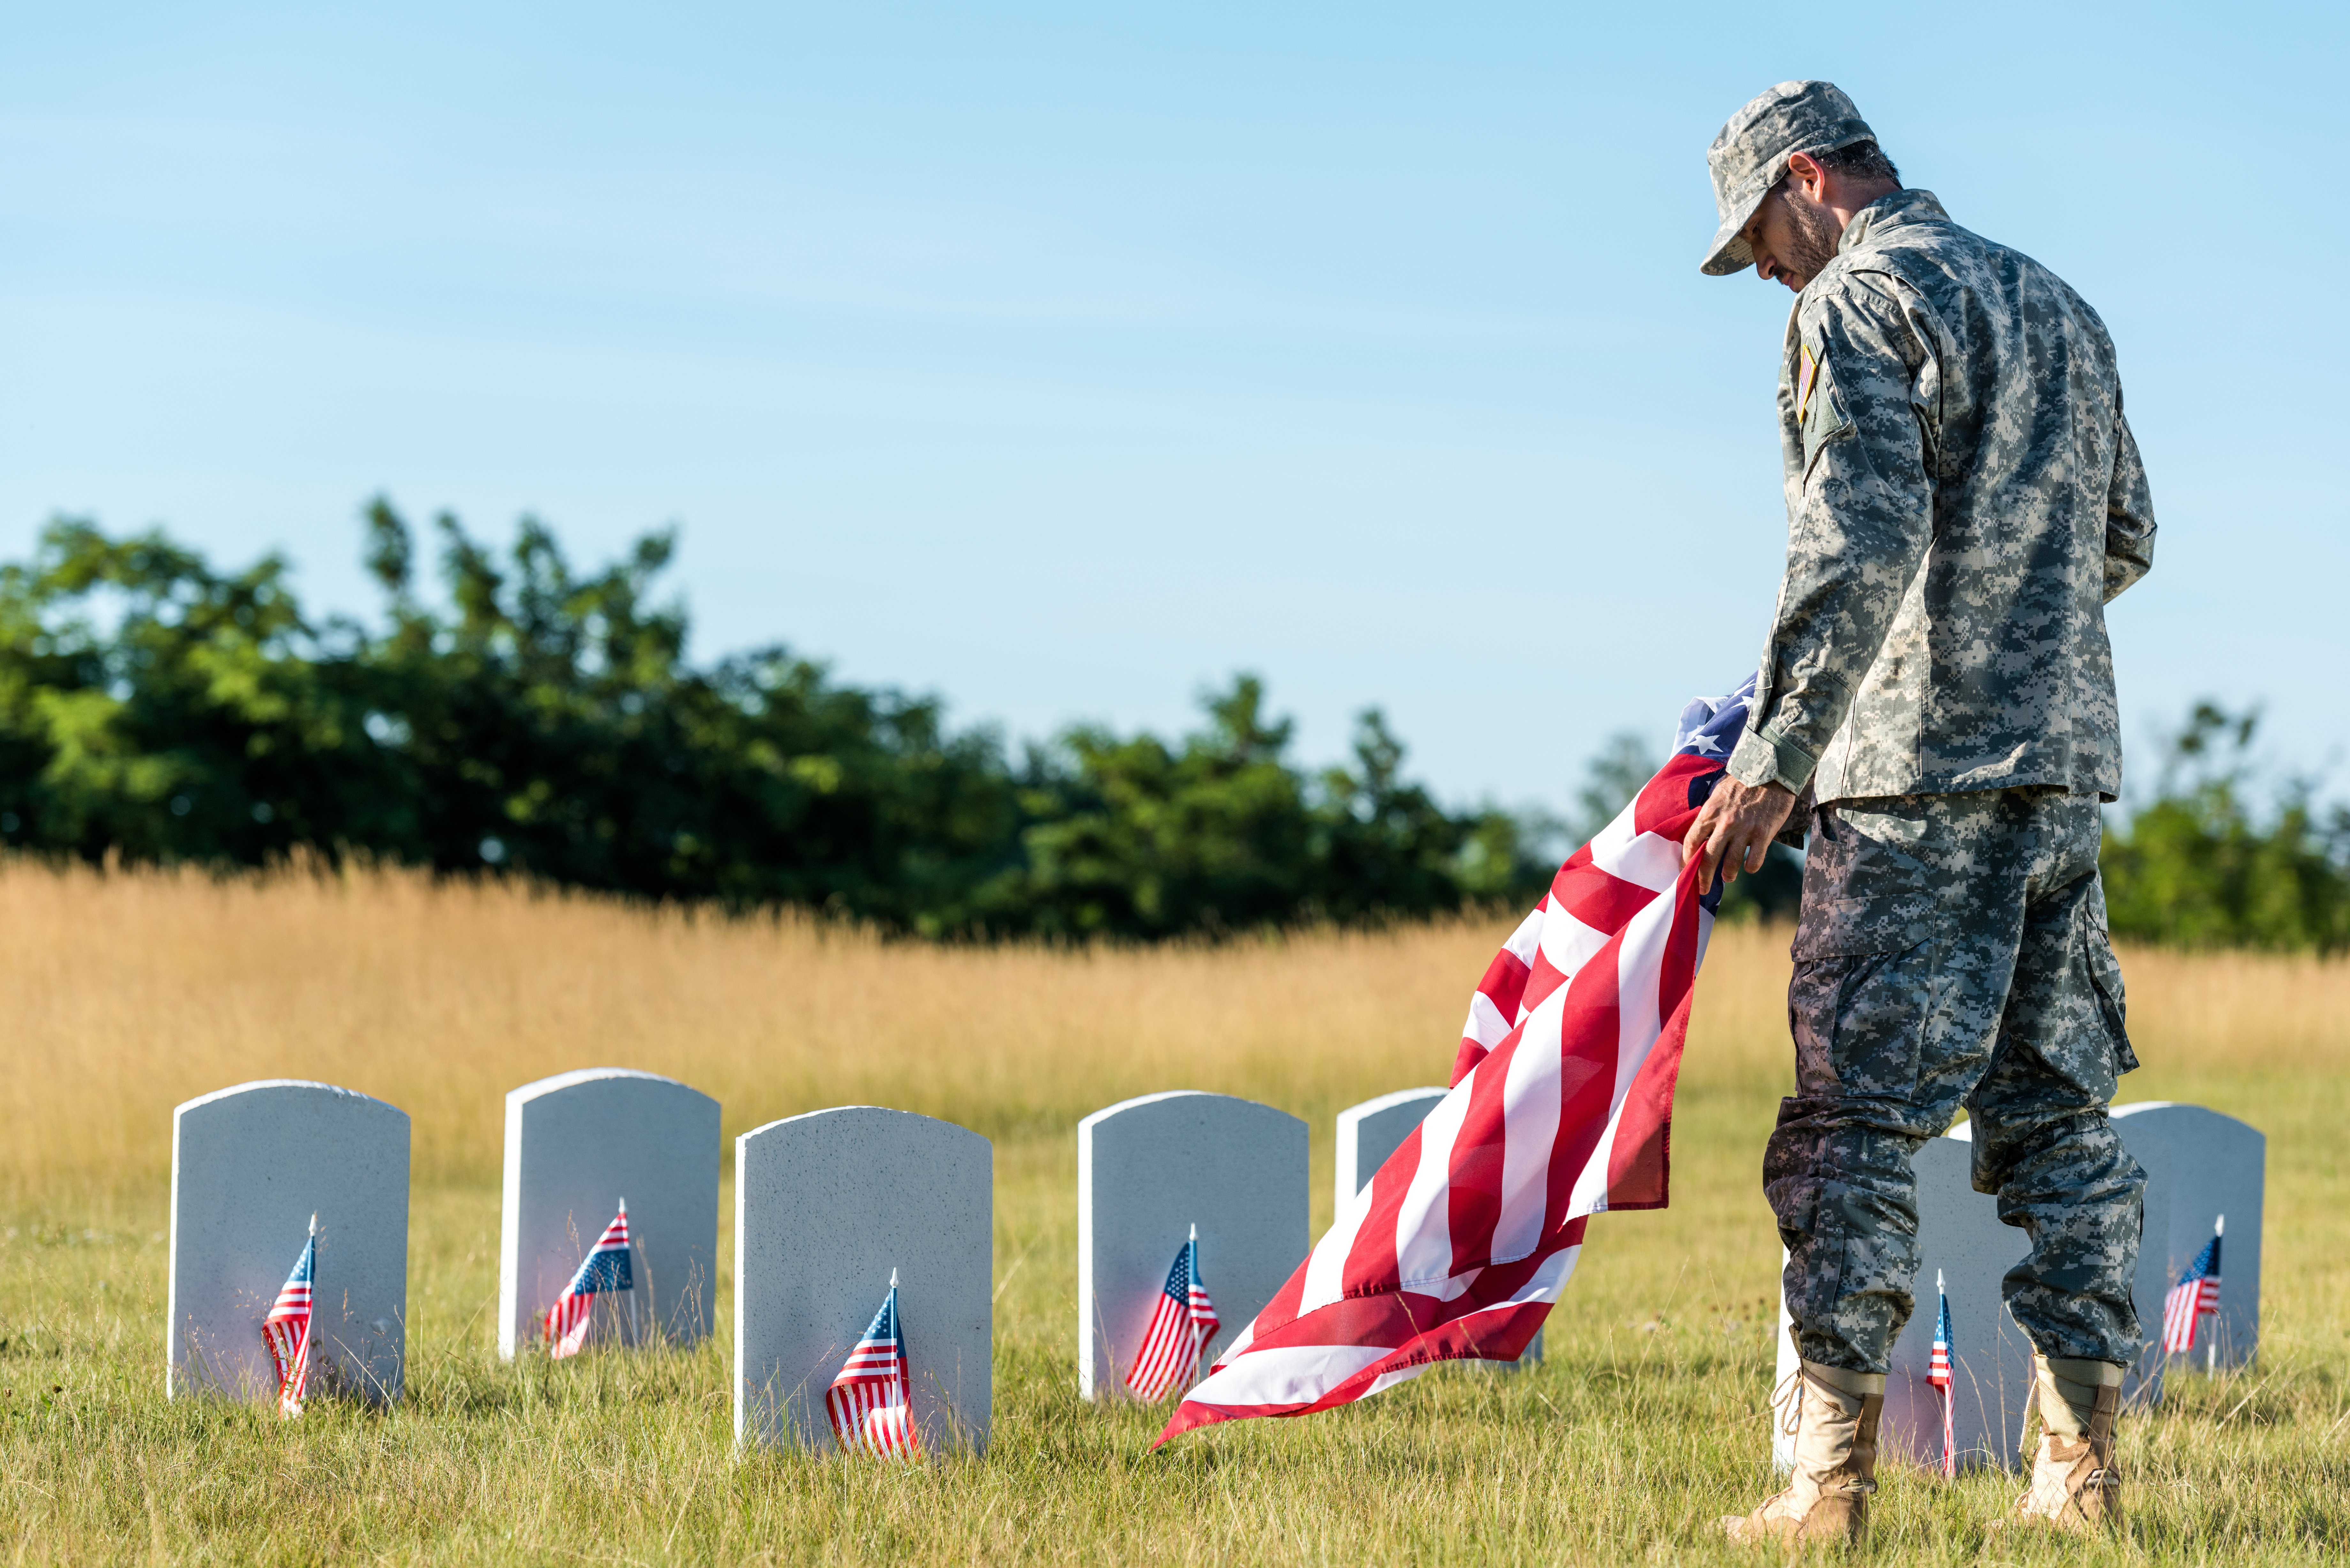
point(577, 1144)
point(809, 1117)
point(829, 1206)
point(253, 1167)
point(2187, 1111)
point(257, 1085)
point(1178, 1100)
point(1389, 1102)
point(1148, 1169)
point(578, 1076)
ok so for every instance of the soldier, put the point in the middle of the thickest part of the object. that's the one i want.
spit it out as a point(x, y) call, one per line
point(1964, 496)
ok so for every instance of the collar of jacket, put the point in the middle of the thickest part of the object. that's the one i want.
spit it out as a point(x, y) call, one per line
point(1893, 211)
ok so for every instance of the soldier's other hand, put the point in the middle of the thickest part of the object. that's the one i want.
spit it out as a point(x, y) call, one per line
point(1735, 827)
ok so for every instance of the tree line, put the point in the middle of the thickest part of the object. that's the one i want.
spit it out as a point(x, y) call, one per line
point(2219, 858)
point(529, 718)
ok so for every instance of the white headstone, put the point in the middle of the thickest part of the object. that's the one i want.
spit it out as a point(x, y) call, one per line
point(577, 1145)
point(1370, 1132)
point(1367, 1135)
point(250, 1166)
point(1151, 1168)
point(2203, 1165)
point(1961, 1240)
point(826, 1206)
point(2199, 1165)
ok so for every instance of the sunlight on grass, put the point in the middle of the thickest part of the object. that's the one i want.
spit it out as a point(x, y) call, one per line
point(133, 992)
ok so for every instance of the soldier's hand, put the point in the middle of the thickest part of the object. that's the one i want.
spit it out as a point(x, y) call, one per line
point(1735, 827)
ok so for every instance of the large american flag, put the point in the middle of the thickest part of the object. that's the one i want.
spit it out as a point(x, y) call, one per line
point(605, 1268)
point(287, 1329)
point(1181, 1323)
point(2195, 1297)
point(1937, 1372)
point(870, 1403)
point(1560, 1108)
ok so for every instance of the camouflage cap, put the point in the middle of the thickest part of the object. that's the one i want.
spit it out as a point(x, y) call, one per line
point(1751, 156)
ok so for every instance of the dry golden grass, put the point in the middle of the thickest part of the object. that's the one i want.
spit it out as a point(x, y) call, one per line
point(131, 993)
point(127, 993)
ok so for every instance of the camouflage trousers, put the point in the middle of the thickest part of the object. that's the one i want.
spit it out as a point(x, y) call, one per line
point(1953, 951)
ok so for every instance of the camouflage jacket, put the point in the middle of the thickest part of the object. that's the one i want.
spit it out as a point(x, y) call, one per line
point(1964, 496)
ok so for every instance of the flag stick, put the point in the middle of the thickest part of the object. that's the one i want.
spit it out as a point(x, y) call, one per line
point(635, 1336)
point(2211, 1351)
point(1949, 1458)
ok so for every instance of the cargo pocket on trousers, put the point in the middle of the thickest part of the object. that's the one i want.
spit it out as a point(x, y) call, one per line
point(1857, 1002)
point(2105, 978)
point(1860, 1022)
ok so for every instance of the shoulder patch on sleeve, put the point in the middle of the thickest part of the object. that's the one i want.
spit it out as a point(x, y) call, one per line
point(1807, 374)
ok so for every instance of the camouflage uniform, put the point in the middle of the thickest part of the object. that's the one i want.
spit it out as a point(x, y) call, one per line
point(1964, 497)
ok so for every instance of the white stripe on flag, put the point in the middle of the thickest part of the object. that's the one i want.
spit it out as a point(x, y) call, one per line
point(1645, 859)
point(1486, 1025)
point(1527, 938)
point(1285, 1375)
point(1424, 1219)
point(1530, 1099)
point(1326, 1266)
point(1567, 942)
point(1641, 965)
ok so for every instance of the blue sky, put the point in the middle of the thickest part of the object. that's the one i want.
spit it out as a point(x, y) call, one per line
point(1062, 361)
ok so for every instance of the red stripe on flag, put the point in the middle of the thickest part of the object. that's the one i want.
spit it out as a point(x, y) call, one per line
point(1640, 1163)
point(1599, 900)
point(1504, 989)
point(1465, 1061)
point(1592, 1029)
point(1417, 1330)
point(1544, 979)
point(1504, 983)
point(1372, 1258)
point(1662, 806)
point(1473, 1174)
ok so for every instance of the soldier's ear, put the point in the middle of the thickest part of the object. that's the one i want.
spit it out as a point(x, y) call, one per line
point(1805, 174)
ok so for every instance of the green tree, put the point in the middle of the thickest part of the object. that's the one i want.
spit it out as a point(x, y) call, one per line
point(1135, 836)
point(553, 725)
point(151, 706)
point(2199, 866)
point(531, 717)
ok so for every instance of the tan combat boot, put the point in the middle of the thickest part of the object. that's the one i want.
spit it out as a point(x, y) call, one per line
point(1826, 1498)
point(2075, 1485)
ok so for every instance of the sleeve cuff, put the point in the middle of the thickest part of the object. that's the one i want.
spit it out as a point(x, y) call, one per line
point(1761, 758)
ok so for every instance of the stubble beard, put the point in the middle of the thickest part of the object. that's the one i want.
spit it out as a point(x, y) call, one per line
point(1816, 234)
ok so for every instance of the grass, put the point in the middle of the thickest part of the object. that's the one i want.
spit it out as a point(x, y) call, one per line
point(127, 993)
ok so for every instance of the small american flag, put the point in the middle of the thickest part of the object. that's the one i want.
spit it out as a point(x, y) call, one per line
point(606, 1267)
point(2195, 1297)
point(287, 1329)
point(1937, 1372)
point(870, 1403)
point(1181, 1323)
